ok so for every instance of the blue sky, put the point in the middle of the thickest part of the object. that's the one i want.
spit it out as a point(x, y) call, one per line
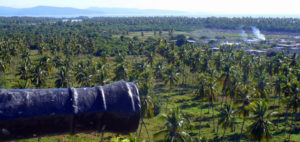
point(212, 6)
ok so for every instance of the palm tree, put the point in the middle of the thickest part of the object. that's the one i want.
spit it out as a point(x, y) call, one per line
point(46, 63)
point(260, 128)
point(207, 89)
point(183, 58)
point(24, 70)
point(120, 72)
point(170, 76)
point(278, 84)
point(243, 107)
point(3, 66)
point(291, 92)
point(200, 93)
point(226, 118)
point(147, 105)
point(158, 70)
point(38, 76)
point(211, 95)
point(150, 58)
point(246, 68)
point(82, 74)
point(62, 78)
point(102, 75)
point(21, 84)
point(226, 81)
point(175, 124)
point(294, 103)
point(262, 86)
point(218, 61)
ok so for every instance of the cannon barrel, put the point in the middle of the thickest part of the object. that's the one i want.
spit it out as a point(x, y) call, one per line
point(28, 113)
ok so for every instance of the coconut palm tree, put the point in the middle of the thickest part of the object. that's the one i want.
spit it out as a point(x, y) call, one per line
point(226, 81)
point(158, 70)
point(294, 104)
point(291, 90)
point(62, 78)
point(24, 70)
point(38, 76)
point(46, 63)
point(226, 118)
point(211, 95)
point(200, 93)
point(170, 77)
point(102, 74)
point(3, 66)
point(261, 86)
point(147, 105)
point(82, 74)
point(182, 53)
point(175, 124)
point(150, 58)
point(243, 107)
point(259, 130)
point(120, 71)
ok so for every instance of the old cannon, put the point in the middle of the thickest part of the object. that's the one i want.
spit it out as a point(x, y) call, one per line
point(28, 113)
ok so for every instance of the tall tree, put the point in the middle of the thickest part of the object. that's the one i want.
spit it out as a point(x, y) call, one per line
point(260, 128)
point(175, 124)
point(170, 77)
point(226, 118)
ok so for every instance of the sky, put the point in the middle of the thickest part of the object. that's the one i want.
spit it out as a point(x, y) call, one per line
point(274, 7)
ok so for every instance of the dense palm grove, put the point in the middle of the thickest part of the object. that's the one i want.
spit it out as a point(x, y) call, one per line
point(235, 96)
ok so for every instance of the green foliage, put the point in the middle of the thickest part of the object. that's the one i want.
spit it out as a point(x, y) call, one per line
point(260, 128)
point(175, 124)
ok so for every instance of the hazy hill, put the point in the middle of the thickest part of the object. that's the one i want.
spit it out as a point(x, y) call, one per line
point(94, 11)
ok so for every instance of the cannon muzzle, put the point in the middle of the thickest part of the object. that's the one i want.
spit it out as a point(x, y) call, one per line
point(28, 113)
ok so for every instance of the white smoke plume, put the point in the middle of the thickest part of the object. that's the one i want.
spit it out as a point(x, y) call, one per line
point(257, 33)
point(244, 35)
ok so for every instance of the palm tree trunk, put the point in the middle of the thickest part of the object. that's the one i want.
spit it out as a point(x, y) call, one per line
point(143, 123)
point(279, 99)
point(275, 96)
point(213, 115)
point(200, 119)
point(168, 98)
point(222, 99)
point(183, 76)
point(286, 118)
point(242, 129)
point(217, 130)
point(141, 126)
point(102, 135)
point(295, 121)
point(223, 134)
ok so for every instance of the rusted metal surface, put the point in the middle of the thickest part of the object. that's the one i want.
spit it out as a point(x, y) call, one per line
point(27, 113)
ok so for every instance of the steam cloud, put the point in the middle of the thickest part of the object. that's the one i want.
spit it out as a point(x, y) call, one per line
point(257, 33)
point(244, 35)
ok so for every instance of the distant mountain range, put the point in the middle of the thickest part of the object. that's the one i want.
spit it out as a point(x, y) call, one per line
point(40, 11)
point(48, 11)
